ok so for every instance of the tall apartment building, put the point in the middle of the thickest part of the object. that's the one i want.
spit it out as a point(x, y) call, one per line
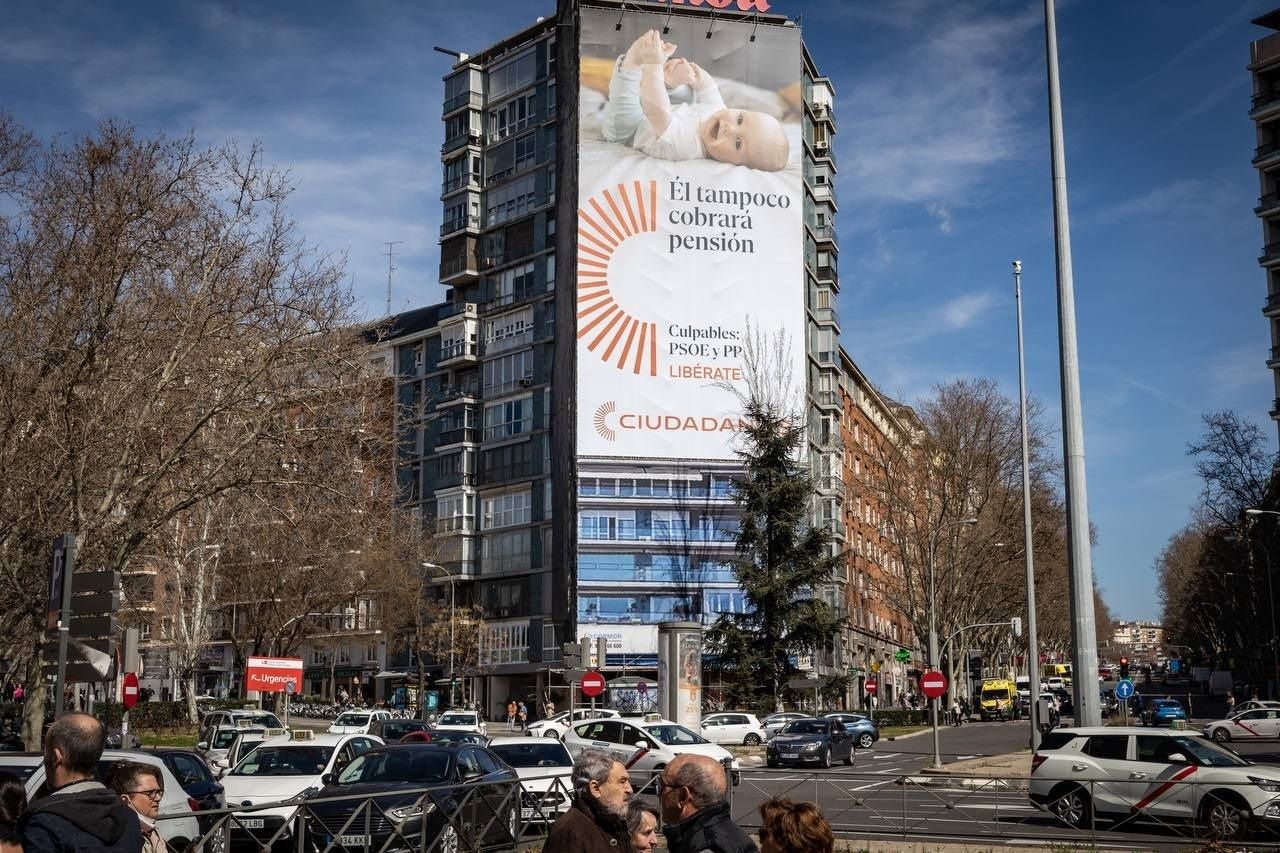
point(1264, 64)
point(563, 425)
point(875, 629)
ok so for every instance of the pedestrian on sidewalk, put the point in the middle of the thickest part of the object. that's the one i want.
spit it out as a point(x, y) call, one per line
point(597, 820)
point(1231, 703)
point(511, 712)
point(789, 827)
point(955, 712)
point(522, 715)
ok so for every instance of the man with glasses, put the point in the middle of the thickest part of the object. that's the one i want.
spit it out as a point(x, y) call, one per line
point(79, 814)
point(597, 821)
point(693, 792)
point(141, 788)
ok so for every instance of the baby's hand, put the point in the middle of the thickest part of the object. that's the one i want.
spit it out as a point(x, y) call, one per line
point(679, 72)
point(649, 49)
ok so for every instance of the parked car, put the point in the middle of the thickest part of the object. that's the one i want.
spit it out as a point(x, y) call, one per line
point(1132, 774)
point(357, 722)
point(821, 740)
point(545, 769)
point(1253, 724)
point(1162, 712)
point(245, 741)
point(774, 722)
point(733, 728)
point(391, 730)
point(468, 788)
point(444, 736)
point(1250, 704)
point(204, 794)
point(646, 745)
point(462, 721)
point(865, 732)
point(288, 768)
point(238, 717)
point(177, 821)
point(21, 764)
point(556, 725)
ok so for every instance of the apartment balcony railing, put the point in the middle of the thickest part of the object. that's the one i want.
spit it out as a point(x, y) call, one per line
point(1270, 252)
point(457, 182)
point(1267, 202)
point(649, 534)
point(460, 223)
point(825, 232)
point(454, 436)
point(1272, 303)
point(1265, 98)
point(465, 99)
point(453, 143)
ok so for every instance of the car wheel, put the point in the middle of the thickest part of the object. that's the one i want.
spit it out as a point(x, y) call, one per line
point(552, 733)
point(865, 740)
point(513, 824)
point(752, 740)
point(448, 840)
point(848, 759)
point(1072, 807)
point(826, 758)
point(1221, 735)
point(1223, 817)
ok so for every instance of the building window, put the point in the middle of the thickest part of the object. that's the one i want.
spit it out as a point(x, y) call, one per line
point(607, 524)
point(509, 330)
point(513, 284)
point(512, 117)
point(505, 510)
point(513, 74)
point(508, 418)
point(508, 373)
point(454, 512)
point(512, 200)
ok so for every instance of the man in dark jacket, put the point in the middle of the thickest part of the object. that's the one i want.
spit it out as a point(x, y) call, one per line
point(693, 792)
point(80, 814)
point(597, 820)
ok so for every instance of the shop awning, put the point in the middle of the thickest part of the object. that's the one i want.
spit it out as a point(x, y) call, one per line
point(386, 673)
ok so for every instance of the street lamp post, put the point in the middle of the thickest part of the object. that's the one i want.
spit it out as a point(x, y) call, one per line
point(1033, 642)
point(1271, 601)
point(933, 625)
point(453, 613)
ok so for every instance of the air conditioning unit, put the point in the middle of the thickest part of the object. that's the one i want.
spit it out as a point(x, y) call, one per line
point(526, 381)
point(472, 307)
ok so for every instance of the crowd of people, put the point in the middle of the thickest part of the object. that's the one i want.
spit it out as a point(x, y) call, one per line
point(693, 813)
point(81, 814)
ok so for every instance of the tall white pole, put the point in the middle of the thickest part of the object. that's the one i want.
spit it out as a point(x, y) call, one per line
point(934, 663)
point(1080, 566)
point(1033, 642)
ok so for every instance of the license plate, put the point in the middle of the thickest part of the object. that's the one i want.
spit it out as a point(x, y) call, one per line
point(250, 823)
point(526, 814)
point(790, 755)
point(353, 840)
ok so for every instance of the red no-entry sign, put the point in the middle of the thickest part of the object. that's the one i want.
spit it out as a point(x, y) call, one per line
point(592, 684)
point(129, 690)
point(871, 685)
point(933, 684)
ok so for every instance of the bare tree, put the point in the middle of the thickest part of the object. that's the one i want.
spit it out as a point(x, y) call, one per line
point(160, 321)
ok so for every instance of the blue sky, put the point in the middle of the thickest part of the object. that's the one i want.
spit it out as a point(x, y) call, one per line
point(944, 178)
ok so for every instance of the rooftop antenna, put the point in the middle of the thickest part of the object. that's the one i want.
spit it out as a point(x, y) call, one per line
point(391, 244)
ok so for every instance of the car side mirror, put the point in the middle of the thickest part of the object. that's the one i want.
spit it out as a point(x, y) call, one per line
point(328, 779)
point(204, 744)
point(642, 744)
point(1177, 758)
point(224, 763)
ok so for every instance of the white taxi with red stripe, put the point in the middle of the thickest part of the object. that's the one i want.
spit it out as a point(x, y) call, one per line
point(1092, 777)
point(1253, 724)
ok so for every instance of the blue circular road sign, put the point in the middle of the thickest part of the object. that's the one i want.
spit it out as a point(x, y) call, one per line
point(1174, 664)
point(1124, 688)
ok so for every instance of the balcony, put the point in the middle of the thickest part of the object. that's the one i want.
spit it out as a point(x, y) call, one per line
point(826, 233)
point(1274, 361)
point(453, 309)
point(673, 536)
point(453, 143)
point(1275, 408)
point(459, 352)
point(459, 270)
point(825, 192)
point(1268, 204)
point(469, 223)
point(466, 99)
point(827, 399)
point(1264, 103)
point(1265, 153)
point(1272, 306)
point(457, 393)
point(458, 435)
point(457, 182)
point(1270, 254)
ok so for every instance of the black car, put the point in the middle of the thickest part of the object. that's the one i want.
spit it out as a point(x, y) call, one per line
point(392, 730)
point(443, 736)
point(193, 774)
point(471, 790)
point(821, 740)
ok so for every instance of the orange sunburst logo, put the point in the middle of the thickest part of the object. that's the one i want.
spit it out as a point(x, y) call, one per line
point(602, 422)
point(604, 223)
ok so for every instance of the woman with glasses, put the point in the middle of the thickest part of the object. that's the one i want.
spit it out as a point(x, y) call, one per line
point(141, 788)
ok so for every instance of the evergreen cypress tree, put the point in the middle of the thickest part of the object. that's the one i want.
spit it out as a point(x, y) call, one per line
point(781, 561)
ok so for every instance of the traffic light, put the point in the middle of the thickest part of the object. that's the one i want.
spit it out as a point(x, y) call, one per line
point(572, 654)
point(1124, 667)
point(975, 666)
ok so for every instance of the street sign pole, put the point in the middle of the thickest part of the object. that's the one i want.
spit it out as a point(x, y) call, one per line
point(64, 558)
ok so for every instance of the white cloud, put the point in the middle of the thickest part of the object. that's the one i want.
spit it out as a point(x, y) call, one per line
point(965, 311)
point(941, 213)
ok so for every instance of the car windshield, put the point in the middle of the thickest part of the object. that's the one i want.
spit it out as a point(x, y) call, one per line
point(546, 753)
point(805, 727)
point(458, 720)
point(350, 719)
point(395, 731)
point(1208, 753)
point(673, 735)
point(222, 738)
point(264, 719)
point(456, 737)
point(285, 761)
point(1001, 693)
point(398, 765)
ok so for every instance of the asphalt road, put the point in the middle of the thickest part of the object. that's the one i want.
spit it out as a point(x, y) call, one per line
point(876, 799)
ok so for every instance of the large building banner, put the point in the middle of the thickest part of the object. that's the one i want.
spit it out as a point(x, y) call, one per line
point(689, 226)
